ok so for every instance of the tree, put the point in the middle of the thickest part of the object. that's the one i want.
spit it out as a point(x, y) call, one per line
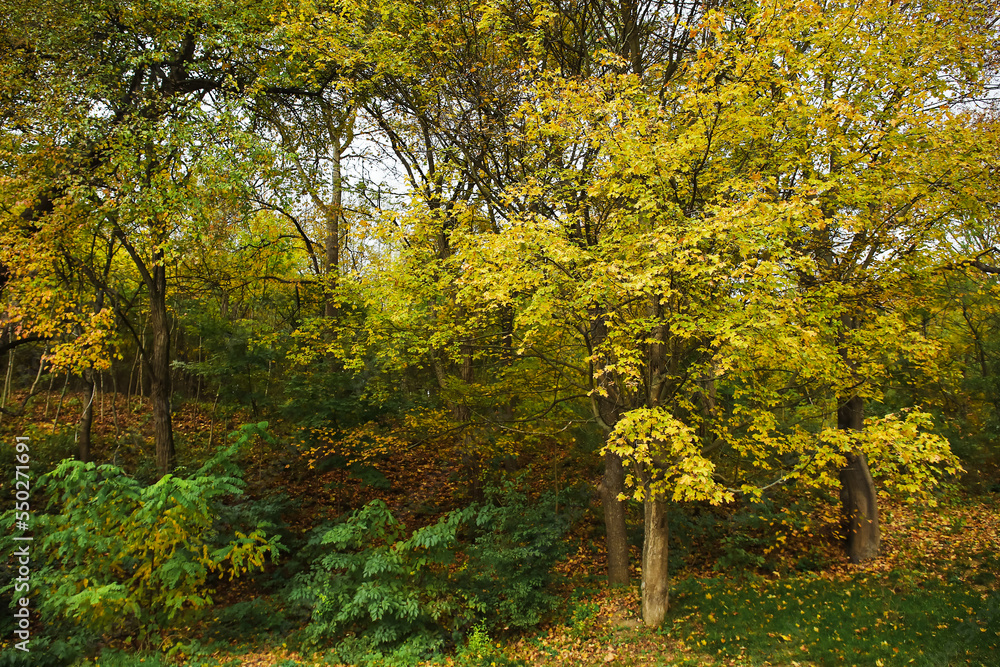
point(700, 240)
point(394, 67)
point(116, 112)
point(894, 163)
point(447, 115)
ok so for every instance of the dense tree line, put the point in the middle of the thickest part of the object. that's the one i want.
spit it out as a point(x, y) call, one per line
point(748, 244)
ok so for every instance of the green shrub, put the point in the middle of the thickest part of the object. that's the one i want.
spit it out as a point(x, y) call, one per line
point(508, 569)
point(387, 593)
point(387, 598)
point(251, 620)
point(49, 445)
point(480, 651)
point(245, 516)
point(45, 651)
point(122, 554)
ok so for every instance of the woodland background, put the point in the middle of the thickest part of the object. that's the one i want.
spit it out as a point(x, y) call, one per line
point(401, 331)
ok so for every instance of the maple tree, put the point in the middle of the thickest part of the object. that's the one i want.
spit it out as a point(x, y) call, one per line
point(724, 232)
point(392, 79)
point(441, 87)
point(793, 94)
point(751, 246)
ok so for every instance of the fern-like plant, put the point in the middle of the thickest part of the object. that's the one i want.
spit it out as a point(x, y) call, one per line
point(382, 596)
point(124, 554)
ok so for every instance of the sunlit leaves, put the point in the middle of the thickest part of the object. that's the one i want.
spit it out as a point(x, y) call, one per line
point(667, 458)
point(725, 229)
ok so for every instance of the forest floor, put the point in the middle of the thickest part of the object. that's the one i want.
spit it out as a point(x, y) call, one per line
point(932, 597)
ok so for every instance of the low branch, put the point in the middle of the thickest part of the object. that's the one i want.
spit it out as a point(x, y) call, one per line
point(10, 345)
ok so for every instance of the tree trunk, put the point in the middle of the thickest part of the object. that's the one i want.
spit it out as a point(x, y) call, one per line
point(87, 420)
point(631, 37)
point(858, 495)
point(331, 261)
point(340, 133)
point(158, 369)
point(606, 410)
point(655, 578)
point(614, 519)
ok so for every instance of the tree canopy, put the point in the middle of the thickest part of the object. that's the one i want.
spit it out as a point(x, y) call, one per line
point(739, 245)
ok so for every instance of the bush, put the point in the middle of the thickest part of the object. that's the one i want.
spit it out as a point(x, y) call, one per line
point(45, 651)
point(123, 554)
point(480, 651)
point(384, 597)
point(233, 519)
point(388, 593)
point(252, 620)
point(508, 568)
point(49, 445)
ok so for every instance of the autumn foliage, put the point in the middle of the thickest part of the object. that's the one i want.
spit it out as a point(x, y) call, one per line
point(526, 293)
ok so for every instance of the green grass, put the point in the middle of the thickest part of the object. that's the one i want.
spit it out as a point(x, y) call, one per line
point(115, 658)
point(892, 619)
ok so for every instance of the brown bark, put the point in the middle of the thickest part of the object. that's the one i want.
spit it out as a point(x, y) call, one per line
point(331, 263)
point(614, 519)
point(606, 409)
point(631, 47)
point(158, 368)
point(655, 578)
point(858, 494)
point(87, 420)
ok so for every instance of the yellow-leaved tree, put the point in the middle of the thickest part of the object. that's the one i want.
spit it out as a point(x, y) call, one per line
point(749, 232)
